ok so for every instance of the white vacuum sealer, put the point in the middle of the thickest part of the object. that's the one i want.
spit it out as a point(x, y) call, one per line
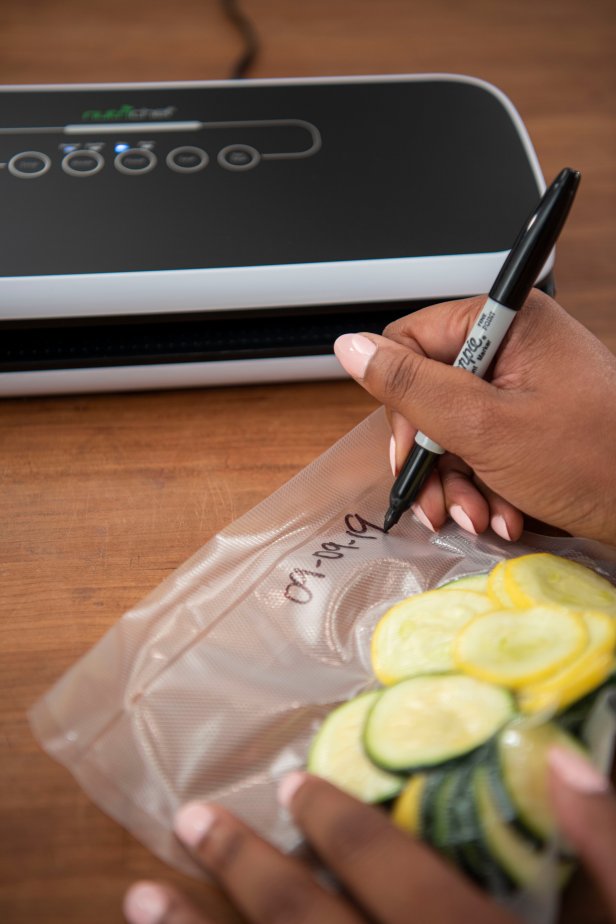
point(169, 235)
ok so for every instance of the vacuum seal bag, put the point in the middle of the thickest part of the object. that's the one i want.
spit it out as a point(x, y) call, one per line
point(215, 685)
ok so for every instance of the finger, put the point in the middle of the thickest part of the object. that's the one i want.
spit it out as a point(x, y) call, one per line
point(394, 877)
point(505, 519)
point(429, 508)
point(437, 399)
point(158, 903)
point(586, 811)
point(264, 884)
point(464, 502)
point(437, 331)
point(403, 434)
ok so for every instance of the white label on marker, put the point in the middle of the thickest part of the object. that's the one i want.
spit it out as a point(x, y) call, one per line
point(479, 350)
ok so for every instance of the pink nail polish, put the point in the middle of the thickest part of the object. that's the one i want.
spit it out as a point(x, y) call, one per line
point(193, 823)
point(462, 519)
point(392, 455)
point(423, 519)
point(577, 772)
point(145, 903)
point(354, 352)
point(499, 526)
point(289, 786)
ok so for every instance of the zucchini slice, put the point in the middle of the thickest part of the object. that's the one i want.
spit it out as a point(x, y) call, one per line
point(496, 589)
point(543, 579)
point(517, 857)
point(522, 752)
point(518, 647)
point(337, 753)
point(425, 721)
point(475, 582)
point(580, 677)
point(416, 636)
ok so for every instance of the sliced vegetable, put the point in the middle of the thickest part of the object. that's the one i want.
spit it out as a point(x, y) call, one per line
point(516, 856)
point(406, 813)
point(337, 753)
point(496, 589)
point(416, 636)
point(518, 647)
point(580, 677)
point(543, 579)
point(424, 721)
point(522, 751)
point(476, 582)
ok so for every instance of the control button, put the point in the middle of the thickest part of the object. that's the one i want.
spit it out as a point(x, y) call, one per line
point(135, 160)
point(187, 159)
point(238, 157)
point(82, 163)
point(29, 164)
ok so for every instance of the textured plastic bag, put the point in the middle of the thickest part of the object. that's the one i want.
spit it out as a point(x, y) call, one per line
point(213, 687)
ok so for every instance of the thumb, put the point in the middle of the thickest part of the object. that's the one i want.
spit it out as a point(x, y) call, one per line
point(585, 808)
point(448, 404)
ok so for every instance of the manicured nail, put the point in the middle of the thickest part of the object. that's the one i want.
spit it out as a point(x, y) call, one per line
point(577, 772)
point(289, 786)
point(193, 822)
point(462, 519)
point(417, 510)
point(146, 903)
point(392, 455)
point(354, 352)
point(500, 527)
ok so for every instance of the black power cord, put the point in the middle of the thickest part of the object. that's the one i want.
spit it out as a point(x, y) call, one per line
point(247, 31)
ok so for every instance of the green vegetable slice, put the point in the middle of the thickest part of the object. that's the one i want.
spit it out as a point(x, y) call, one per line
point(337, 753)
point(417, 635)
point(424, 721)
point(517, 857)
point(522, 751)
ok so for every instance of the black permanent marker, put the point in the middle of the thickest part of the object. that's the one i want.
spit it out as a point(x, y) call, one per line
point(509, 292)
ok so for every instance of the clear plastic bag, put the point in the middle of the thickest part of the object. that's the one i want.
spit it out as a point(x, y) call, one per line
point(213, 687)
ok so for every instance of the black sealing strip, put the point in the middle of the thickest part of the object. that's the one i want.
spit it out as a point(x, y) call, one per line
point(184, 338)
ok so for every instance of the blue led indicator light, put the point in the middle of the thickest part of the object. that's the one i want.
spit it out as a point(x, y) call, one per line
point(121, 147)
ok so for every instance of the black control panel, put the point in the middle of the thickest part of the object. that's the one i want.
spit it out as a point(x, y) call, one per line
point(130, 179)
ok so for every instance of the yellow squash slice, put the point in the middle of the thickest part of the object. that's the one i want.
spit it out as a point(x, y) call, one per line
point(581, 676)
point(416, 636)
point(544, 580)
point(517, 647)
point(406, 813)
point(496, 589)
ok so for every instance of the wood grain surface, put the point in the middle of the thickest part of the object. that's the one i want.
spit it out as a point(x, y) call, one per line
point(103, 496)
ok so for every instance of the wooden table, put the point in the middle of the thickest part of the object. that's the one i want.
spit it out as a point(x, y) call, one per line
point(103, 496)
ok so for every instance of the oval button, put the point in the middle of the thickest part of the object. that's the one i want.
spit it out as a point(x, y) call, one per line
point(29, 164)
point(238, 157)
point(82, 163)
point(187, 159)
point(135, 160)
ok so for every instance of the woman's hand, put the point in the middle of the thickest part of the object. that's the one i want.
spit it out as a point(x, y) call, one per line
point(388, 877)
point(539, 438)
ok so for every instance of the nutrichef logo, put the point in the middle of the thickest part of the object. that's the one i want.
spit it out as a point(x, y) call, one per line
point(128, 113)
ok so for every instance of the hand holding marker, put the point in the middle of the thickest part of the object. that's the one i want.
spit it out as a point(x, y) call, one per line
point(508, 294)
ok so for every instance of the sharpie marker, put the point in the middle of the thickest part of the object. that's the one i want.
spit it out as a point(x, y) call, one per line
point(509, 292)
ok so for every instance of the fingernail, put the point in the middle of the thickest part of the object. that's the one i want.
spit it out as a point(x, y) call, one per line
point(392, 454)
point(193, 822)
point(577, 772)
point(354, 352)
point(462, 519)
point(422, 517)
point(500, 527)
point(146, 903)
point(289, 786)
